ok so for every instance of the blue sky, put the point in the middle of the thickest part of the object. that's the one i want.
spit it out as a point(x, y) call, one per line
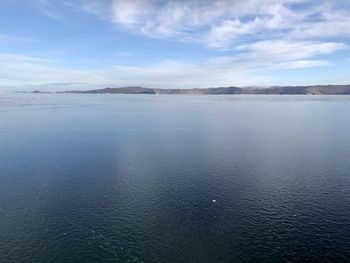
point(80, 44)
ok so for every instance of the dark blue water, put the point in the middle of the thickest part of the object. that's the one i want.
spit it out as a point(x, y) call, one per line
point(112, 178)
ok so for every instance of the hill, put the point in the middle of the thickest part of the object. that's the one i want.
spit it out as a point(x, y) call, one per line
point(278, 90)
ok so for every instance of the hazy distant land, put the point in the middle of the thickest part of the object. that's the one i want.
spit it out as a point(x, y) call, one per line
point(278, 90)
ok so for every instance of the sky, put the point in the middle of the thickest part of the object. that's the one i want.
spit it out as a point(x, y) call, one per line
point(83, 44)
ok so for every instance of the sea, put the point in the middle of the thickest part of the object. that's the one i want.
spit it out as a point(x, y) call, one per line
point(174, 178)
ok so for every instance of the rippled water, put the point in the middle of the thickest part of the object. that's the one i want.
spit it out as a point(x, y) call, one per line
point(113, 178)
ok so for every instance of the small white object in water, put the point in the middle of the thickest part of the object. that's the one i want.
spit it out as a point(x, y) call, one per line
point(214, 201)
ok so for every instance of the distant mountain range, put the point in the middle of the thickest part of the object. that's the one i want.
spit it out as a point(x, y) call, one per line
point(296, 90)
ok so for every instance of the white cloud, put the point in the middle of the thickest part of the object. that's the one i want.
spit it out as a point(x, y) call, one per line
point(300, 64)
point(31, 73)
point(7, 39)
point(47, 8)
point(218, 23)
point(259, 33)
point(333, 24)
point(20, 71)
point(289, 50)
point(225, 24)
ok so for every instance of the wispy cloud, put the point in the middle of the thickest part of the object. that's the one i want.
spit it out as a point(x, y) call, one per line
point(221, 24)
point(22, 70)
point(274, 30)
point(288, 50)
point(299, 64)
point(125, 54)
point(18, 70)
point(47, 8)
point(7, 39)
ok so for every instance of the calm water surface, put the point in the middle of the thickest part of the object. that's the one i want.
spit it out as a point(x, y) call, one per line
point(114, 178)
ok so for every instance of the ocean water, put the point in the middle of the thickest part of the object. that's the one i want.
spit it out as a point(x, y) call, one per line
point(120, 178)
